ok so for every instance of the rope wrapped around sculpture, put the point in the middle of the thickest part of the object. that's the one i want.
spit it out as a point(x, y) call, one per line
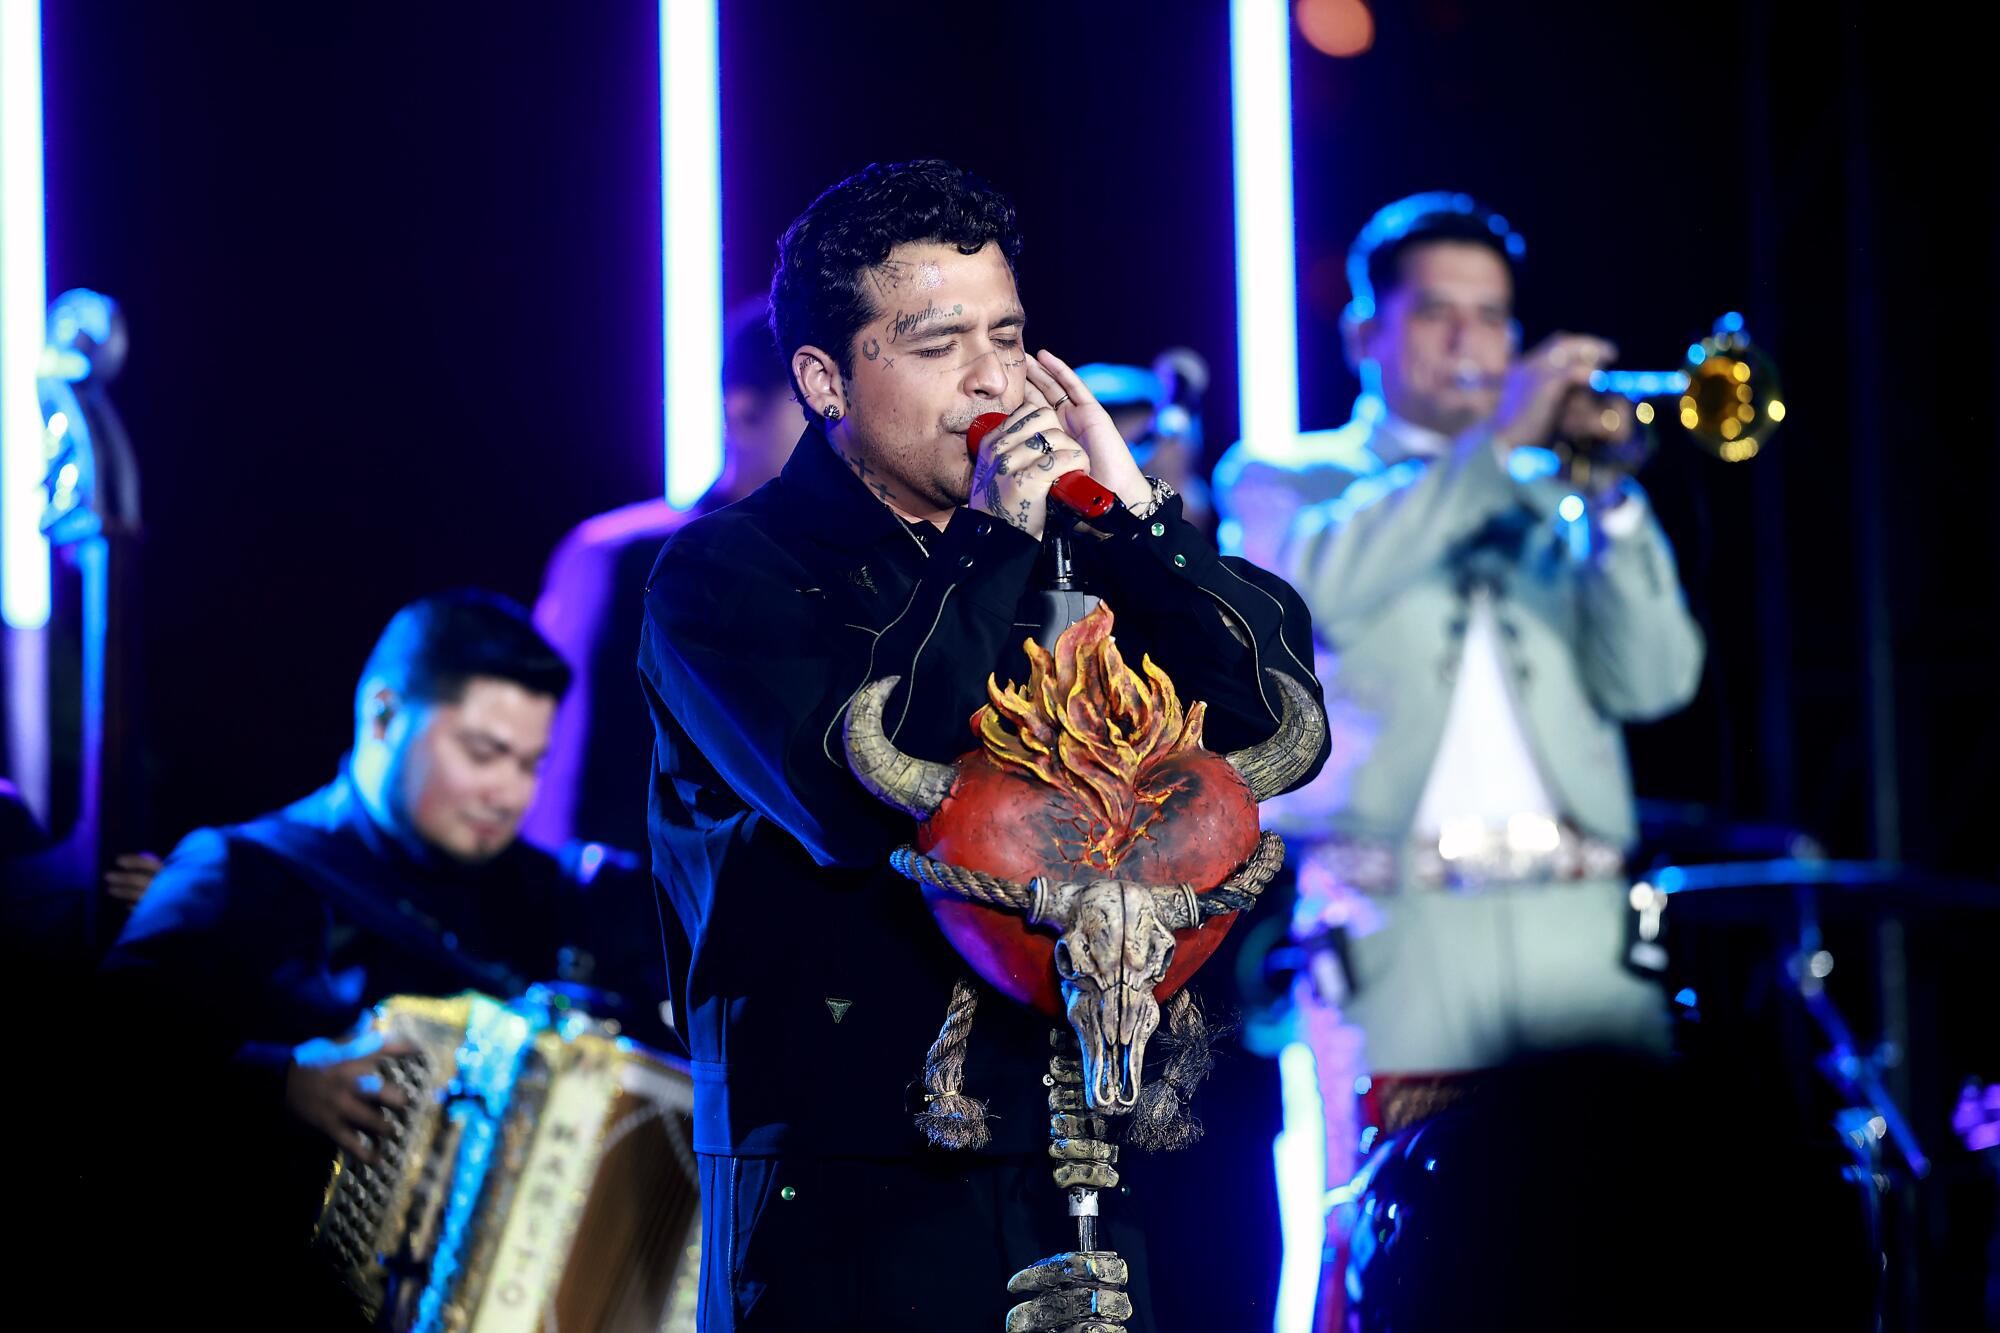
point(1162, 1121)
point(1238, 893)
point(950, 1119)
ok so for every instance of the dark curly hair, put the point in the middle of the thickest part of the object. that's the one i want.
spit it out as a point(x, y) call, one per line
point(817, 295)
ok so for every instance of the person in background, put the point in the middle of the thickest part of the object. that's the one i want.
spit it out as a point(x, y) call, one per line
point(593, 803)
point(1485, 632)
point(594, 785)
point(1159, 410)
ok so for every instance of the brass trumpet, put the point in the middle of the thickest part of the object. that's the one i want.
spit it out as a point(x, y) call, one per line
point(1726, 394)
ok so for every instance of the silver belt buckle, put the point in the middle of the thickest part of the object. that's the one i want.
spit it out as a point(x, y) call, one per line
point(1474, 856)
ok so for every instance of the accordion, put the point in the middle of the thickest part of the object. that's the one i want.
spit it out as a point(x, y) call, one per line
point(542, 1178)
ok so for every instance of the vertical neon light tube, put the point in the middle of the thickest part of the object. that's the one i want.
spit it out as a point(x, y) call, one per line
point(1299, 1153)
point(24, 554)
point(691, 225)
point(1267, 327)
point(1267, 360)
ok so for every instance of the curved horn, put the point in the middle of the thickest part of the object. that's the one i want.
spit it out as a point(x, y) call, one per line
point(915, 786)
point(1277, 763)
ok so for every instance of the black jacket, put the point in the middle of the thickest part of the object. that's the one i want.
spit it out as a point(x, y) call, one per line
point(762, 621)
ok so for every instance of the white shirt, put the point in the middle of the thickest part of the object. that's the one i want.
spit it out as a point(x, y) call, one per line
point(1485, 773)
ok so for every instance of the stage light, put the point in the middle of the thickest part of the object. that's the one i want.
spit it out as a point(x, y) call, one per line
point(1267, 331)
point(1571, 508)
point(24, 553)
point(691, 244)
point(1336, 27)
point(1299, 1153)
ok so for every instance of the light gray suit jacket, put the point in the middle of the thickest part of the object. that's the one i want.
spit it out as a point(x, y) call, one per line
point(1385, 548)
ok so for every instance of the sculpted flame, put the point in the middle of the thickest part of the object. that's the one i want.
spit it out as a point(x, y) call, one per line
point(1097, 731)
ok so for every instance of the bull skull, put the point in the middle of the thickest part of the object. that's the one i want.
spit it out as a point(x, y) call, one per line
point(1117, 941)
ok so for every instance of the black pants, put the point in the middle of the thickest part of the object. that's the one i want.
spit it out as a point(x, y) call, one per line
point(924, 1244)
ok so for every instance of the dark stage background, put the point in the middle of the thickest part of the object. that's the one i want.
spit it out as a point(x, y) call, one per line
point(392, 274)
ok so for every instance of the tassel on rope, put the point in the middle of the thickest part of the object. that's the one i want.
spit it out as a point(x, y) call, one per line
point(1162, 1121)
point(950, 1119)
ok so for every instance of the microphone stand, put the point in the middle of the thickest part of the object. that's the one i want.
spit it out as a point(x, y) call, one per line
point(1063, 603)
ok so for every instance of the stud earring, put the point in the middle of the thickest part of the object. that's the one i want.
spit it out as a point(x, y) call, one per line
point(832, 412)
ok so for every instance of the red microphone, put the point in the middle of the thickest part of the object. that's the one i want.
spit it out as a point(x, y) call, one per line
point(1077, 490)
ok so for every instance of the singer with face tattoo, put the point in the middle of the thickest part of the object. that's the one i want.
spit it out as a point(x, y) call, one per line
point(818, 977)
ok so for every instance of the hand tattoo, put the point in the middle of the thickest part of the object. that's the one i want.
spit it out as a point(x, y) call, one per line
point(1021, 424)
point(998, 506)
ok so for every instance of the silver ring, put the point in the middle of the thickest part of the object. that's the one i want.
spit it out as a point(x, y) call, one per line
point(1059, 402)
point(1040, 443)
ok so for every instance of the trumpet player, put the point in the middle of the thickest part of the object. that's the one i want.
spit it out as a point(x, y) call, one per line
point(1461, 893)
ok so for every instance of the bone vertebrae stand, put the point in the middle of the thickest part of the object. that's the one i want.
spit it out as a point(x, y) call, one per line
point(1086, 1162)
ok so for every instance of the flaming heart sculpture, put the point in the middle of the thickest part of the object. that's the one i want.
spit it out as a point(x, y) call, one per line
point(1090, 854)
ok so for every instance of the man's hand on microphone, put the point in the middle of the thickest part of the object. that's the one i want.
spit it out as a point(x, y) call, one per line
point(1019, 461)
point(1536, 386)
point(1051, 381)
